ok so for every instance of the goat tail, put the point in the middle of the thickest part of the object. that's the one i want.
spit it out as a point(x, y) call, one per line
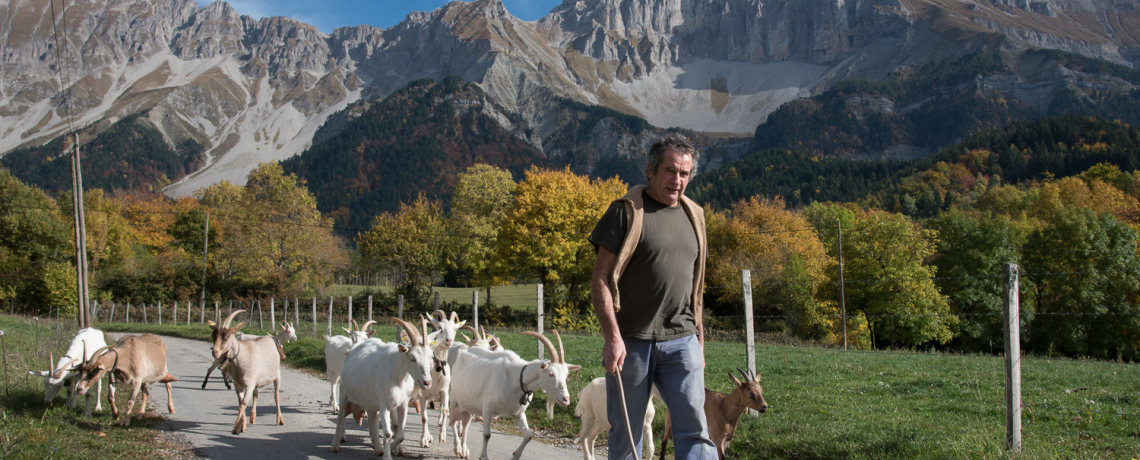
point(168, 378)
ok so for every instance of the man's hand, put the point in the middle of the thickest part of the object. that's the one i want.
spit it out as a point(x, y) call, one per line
point(613, 354)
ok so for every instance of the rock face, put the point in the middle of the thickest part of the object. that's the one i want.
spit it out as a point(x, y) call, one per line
point(258, 90)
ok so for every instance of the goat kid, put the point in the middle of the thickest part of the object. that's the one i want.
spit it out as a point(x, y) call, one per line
point(723, 411)
point(336, 351)
point(591, 409)
point(251, 363)
point(379, 379)
point(138, 361)
point(288, 334)
point(500, 383)
point(63, 374)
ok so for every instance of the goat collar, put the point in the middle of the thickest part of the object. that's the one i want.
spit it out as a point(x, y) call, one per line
point(527, 395)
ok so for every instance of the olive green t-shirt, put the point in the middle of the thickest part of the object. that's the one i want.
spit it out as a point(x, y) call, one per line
point(657, 285)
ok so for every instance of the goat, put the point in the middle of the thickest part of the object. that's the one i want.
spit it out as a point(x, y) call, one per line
point(251, 363)
point(722, 411)
point(491, 389)
point(440, 342)
point(336, 350)
point(63, 373)
point(138, 360)
point(591, 409)
point(379, 378)
point(287, 334)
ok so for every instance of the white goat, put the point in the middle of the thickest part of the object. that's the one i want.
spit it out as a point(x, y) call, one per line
point(64, 372)
point(440, 342)
point(500, 383)
point(251, 363)
point(137, 360)
point(287, 334)
point(379, 378)
point(591, 409)
point(336, 351)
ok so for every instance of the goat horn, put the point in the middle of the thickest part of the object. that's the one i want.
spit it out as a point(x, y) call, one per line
point(51, 360)
point(226, 323)
point(423, 322)
point(454, 317)
point(413, 334)
point(98, 353)
point(542, 338)
point(474, 331)
point(59, 372)
point(354, 326)
point(747, 377)
point(561, 351)
point(365, 326)
point(441, 314)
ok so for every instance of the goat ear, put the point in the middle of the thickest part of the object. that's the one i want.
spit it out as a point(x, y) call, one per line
point(573, 367)
point(403, 349)
point(461, 323)
point(545, 364)
point(371, 331)
point(346, 331)
point(239, 326)
point(211, 323)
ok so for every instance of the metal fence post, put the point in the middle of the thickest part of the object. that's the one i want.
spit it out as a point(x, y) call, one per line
point(541, 348)
point(1012, 358)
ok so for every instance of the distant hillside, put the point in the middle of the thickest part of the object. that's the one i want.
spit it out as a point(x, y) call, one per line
point(415, 141)
point(1023, 151)
point(935, 106)
point(130, 154)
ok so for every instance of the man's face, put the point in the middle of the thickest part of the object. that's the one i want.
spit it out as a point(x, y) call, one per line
point(667, 184)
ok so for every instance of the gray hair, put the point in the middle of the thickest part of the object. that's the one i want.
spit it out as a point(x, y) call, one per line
point(674, 142)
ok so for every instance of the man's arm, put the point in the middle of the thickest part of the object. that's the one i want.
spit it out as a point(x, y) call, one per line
point(613, 352)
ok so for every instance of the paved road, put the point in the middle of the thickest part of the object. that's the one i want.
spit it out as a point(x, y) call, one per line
point(204, 418)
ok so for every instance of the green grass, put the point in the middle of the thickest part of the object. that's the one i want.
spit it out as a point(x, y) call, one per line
point(831, 404)
point(517, 296)
point(29, 429)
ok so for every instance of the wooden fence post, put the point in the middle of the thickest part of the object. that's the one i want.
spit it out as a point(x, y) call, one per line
point(749, 327)
point(436, 305)
point(350, 309)
point(1012, 358)
point(538, 296)
point(370, 308)
point(314, 316)
point(400, 306)
point(330, 315)
point(272, 316)
point(474, 308)
point(159, 312)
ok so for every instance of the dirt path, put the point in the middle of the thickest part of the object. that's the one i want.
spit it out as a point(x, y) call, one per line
point(204, 418)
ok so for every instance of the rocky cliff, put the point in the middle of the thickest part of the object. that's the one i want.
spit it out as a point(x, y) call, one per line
point(258, 90)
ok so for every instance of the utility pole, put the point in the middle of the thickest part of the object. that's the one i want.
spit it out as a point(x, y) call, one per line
point(205, 251)
point(84, 312)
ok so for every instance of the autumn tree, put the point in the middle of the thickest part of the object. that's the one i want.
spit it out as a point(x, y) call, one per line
point(412, 242)
point(481, 200)
point(35, 243)
point(889, 283)
point(1085, 275)
point(544, 235)
point(972, 248)
point(787, 262)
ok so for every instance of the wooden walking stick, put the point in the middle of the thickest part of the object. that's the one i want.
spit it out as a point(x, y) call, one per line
point(625, 416)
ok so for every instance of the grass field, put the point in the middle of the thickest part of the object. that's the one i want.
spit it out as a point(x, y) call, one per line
point(517, 296)
point(29, 429)
point(831, 404)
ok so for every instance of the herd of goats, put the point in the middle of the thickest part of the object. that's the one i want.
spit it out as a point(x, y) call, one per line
point(381, 379)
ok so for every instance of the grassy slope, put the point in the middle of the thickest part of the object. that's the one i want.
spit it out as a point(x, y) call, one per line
point(29, 429)
point(830, 404)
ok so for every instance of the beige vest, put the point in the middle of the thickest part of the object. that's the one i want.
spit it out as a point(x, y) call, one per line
point(635, 209)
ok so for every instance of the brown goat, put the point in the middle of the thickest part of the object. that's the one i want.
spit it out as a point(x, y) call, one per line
point(137, 360)
point(723, 411)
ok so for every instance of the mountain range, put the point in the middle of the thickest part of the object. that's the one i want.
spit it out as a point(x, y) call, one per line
point(244, 91)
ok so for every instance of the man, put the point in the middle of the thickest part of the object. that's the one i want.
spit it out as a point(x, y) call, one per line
point(646, 289)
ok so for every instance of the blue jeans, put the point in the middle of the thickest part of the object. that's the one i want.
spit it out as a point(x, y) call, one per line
point(677, 368)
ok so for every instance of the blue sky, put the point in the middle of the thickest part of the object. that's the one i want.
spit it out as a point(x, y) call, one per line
point(330, 14)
